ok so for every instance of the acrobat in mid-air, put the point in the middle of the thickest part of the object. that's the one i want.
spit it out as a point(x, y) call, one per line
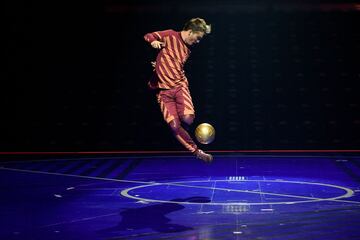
point(170, 82)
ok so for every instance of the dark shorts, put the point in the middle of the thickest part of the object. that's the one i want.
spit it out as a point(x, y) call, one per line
point(175, 103)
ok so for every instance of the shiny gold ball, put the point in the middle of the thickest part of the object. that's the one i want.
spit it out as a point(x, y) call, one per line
point(205, 133)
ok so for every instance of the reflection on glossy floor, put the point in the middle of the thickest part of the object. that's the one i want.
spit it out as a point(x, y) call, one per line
point(179, 197)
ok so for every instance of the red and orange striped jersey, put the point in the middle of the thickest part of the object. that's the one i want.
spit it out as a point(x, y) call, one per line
point(170, 60)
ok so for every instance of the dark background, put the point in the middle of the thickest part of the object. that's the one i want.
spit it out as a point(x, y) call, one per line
point(272, 75)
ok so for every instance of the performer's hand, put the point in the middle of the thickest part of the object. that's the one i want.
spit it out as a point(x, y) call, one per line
point(153, 64)
point(157, 44)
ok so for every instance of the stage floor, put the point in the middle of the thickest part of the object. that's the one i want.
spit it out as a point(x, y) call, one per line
point(180, 197)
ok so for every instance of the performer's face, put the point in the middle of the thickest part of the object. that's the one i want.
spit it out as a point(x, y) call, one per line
point(194, 37)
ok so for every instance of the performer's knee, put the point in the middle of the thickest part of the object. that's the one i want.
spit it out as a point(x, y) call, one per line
point(188, 119)
point(174, 125)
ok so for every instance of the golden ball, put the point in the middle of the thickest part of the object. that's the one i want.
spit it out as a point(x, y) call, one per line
point(205, 133)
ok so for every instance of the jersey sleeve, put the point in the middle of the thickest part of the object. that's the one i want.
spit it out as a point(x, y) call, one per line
point(156, 36)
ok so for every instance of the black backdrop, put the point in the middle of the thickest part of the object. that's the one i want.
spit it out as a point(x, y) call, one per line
point(270, 76)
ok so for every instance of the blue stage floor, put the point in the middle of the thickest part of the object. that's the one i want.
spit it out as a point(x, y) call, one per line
point(179, 197)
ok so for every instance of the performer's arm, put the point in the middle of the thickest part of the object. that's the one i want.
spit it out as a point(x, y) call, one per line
point(156, 38)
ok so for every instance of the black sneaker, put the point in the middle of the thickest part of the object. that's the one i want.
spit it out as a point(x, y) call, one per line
point(200, 154)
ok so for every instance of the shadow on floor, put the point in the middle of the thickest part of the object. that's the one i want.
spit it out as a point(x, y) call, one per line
point(153, 217)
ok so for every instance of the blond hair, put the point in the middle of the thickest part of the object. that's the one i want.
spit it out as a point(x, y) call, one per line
point(197, 25)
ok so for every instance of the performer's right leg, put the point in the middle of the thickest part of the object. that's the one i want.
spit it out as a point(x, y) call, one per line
point(184, 138)
point(170, 112)
point(186, 121)
point(182, 135)
point(167, 102)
